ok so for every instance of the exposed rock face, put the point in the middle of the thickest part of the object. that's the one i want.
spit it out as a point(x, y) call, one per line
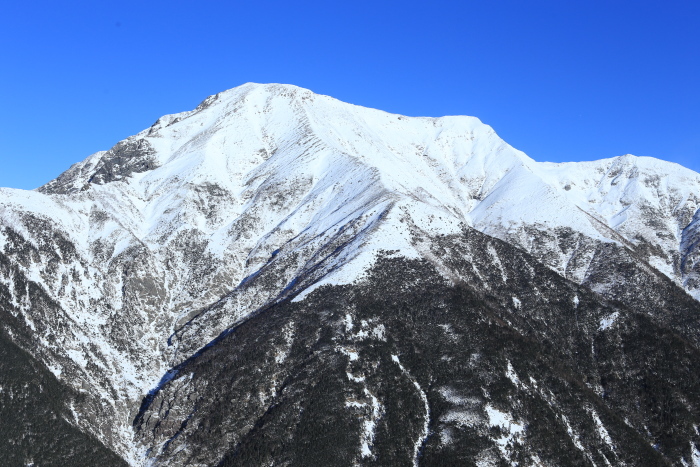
point(278, 277)
point(119, 163)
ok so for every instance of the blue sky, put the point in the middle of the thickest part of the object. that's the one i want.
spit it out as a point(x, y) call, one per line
point(560, 80)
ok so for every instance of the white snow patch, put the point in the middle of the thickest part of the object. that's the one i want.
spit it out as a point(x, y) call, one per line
point(497, 261)
point(370, 425)
point(454, 397)
point(468, 410)
point(369, 330)
point(351, 353)
point(288, 335)
point(426, 421)
point(356, 379)
point(3, 240)
point(513, 376)
point(602, 432)
point(695, 456)
point(462, 417)
point(55, 370)
point(512, 431)
point(379, 332)
point(608, 321)
point(348, 323)
point(663, 265)
point(574, 437)
point(372, 411)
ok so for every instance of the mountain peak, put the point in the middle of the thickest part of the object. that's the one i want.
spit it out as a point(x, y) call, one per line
point(144, 257)
point(260, 118)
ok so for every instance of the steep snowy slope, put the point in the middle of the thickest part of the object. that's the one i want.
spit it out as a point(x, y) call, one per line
point(645, 204)
point(454, 164)
point(135, 259)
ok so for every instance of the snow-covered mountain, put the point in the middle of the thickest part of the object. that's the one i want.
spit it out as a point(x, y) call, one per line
point(133, 263)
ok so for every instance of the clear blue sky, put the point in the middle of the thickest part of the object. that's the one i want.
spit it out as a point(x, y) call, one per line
point(560, 80)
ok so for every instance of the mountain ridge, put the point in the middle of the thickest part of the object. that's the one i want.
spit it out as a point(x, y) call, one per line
point(151, 251)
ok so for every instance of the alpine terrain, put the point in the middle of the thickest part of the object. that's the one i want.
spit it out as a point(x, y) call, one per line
point(280, 278)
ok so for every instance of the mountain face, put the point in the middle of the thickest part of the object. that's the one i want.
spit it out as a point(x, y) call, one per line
point(279, 278)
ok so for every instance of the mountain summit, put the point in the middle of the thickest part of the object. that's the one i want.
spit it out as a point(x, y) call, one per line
point(277, 277)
